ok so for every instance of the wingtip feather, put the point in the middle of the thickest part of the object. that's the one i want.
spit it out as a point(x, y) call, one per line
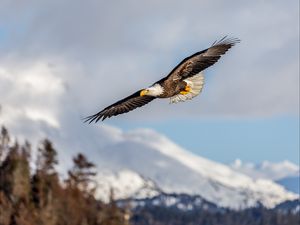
point(92, 118)
point(227, 41)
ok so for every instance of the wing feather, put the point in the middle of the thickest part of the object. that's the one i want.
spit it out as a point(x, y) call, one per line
point(123, 106)
point(199, 61)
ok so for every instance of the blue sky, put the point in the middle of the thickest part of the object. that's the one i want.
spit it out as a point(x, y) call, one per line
point(78, 58)
point(251, 140)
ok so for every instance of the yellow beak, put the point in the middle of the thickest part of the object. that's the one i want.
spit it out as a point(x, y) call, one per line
point(143, 92)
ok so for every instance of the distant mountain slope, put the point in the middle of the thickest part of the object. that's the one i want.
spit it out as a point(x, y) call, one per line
point(181, 202)
point(153, 162)
point(125, 183)
point(290, 206)
point(175, 170)
point(182, 209)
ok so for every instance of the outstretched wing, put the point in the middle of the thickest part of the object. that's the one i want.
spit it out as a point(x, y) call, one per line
point(123, 106)
point(199, 61)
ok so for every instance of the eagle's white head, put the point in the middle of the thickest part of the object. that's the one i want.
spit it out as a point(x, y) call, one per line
point(154, 90)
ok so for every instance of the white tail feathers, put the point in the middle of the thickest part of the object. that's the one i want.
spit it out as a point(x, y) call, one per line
point(195, 83)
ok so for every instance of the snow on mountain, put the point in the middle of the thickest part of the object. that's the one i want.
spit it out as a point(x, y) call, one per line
point(267, 170)
point(176, 170)
point(182, 202)
point(123, 184)
point(142, 160)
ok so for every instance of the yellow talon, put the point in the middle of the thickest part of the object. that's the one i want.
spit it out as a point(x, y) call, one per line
point(187, 89)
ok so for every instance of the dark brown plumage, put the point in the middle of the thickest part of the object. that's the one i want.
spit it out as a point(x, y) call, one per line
point(199, 61)
point(173, 84)
point(125, 105)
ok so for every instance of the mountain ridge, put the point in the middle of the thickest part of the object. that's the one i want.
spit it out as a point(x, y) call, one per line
point(156, 161)
point(175, 170)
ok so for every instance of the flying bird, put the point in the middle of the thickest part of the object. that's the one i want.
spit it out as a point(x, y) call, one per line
point(183, 83)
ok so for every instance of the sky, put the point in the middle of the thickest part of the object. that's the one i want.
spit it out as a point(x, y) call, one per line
point(63, 60)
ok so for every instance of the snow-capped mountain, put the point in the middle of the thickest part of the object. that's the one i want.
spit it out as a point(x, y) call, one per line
point(124, 183)
point(144, 161)
point(182, 202)
point(175, 170)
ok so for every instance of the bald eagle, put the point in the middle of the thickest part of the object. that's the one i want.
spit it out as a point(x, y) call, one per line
point(183, 83)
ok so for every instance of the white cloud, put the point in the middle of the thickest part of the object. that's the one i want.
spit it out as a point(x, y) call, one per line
point(267, 170)
point(30, 90)
point(107, 45)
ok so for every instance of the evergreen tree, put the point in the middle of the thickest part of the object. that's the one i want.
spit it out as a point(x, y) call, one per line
point(41, 199)
point(82, 175)
point(15, 175)
point(45, 184)
point(4, 143)
point(47, 158)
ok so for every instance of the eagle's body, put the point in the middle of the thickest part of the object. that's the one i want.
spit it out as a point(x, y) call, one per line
point(171, 88)
point(184, 82)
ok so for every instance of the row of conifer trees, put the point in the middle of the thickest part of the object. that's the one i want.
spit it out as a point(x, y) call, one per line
point(40, 197)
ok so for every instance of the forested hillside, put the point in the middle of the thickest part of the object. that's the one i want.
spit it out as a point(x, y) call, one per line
point(33, 193)
point(40, 197)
